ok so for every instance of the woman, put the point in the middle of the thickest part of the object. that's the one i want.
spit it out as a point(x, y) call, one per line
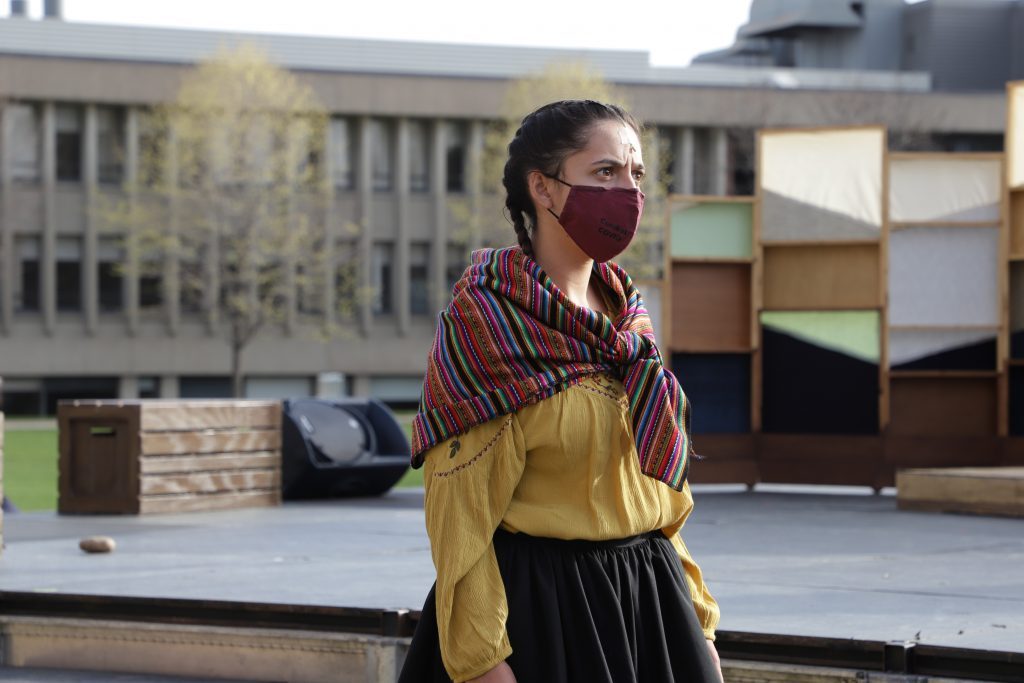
point(555, 445)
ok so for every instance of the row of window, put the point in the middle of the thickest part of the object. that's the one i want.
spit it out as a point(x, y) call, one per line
point(23, 139)
point(69, 273)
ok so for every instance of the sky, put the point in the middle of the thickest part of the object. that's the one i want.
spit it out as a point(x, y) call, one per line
point(672, 31)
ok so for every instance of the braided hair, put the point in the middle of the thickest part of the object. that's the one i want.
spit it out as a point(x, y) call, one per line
point(543, 141)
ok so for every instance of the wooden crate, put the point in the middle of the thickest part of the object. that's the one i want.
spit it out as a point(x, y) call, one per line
point(974, 490)
point(162, 456)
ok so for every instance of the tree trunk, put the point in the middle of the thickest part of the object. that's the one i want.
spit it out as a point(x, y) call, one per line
point(237, 383)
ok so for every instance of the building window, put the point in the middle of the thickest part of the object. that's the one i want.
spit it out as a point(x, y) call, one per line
point(458, 260)
point(383, 152)
point(26, 296)
point(69, 143)
point(22, 140)
point(667, 155)
point(382, 264)
point(310, 291)
point(306, 153)
point(151, 289)
point(110, 275)
point(69, 274)
point(419, 156)
point(346, 278)
point(455, 156)
point(419, 285)
point(342, 154)
point(110, 144)
point(148, 387)
point(192, 279)
point(741, 162)
point(152, 151)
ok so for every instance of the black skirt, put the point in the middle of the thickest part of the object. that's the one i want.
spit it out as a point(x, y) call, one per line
point(586, 612)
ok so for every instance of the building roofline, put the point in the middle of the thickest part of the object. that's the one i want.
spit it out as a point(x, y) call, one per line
point(111, 42)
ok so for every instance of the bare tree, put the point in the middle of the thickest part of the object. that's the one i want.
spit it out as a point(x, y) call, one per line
point(229, 202)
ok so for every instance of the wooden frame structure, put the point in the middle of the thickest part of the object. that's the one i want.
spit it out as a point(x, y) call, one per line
point(907, 308)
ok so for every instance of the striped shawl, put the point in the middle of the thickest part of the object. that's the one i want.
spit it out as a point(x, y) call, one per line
point(510, 337)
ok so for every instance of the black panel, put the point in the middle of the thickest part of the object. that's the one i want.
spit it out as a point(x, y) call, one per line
point(1017, 401)
point(1017, 344)
point(718, 386)
point(808, 389)
point(977, 356)
point(205, 387)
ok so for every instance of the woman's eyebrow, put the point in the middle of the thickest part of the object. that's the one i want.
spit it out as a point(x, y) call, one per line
point(618, 164)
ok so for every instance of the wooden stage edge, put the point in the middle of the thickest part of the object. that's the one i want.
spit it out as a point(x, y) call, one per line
point(971, 490)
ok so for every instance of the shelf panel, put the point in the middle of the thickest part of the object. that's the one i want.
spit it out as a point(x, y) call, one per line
point(944, 277)
point(945, 189)
point(805, 357)
point(823, 277)
point(710, 305)
point(719, 385)
point(943, 405)
point(711, 229)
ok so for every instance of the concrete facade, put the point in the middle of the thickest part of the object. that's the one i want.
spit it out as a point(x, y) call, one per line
point(964, 45)
point(69, 327)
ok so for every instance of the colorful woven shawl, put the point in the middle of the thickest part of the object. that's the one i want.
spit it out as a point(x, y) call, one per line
point(510, 337)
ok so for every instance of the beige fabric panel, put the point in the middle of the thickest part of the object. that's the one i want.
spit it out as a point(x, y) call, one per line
point(944, 276)
point(1015, 133)
point(822, 184)
point(944, 189)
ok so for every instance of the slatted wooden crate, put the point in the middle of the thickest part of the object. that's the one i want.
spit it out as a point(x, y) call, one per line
point(972, 490)
point(163, 456)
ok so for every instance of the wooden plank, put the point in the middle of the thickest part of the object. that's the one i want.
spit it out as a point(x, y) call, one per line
point(1017, 221)
point(1012, 451)
point(194, 415)
point(970, 490)
point(710, 306)
point(840, 459)
point(200, 502)
point(184, 443)
point(728, 459)
point(209, 482)
point(210, 463)
point(822, 277)
point(943, 406)
point(992, 374)
point(941, 451)
point(972, 156)
point(883, 287)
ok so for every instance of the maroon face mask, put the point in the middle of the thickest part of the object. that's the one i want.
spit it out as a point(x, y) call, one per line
point(601, 220)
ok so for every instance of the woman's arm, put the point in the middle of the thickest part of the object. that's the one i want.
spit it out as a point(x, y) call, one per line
point(468, 482)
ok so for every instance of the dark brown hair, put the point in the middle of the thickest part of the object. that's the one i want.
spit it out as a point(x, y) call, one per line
point(544, 139)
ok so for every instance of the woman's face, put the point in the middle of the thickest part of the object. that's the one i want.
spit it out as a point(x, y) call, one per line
point(612, 158)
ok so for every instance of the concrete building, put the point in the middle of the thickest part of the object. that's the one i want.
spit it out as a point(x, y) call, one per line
point(407, 132)
point(963, 45)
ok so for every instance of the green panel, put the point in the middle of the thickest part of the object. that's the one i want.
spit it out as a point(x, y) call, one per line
point(857, 333)
point(715, 230)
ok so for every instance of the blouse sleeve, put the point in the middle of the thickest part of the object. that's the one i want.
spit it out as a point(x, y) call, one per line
point(708, 613)
point(468, 482)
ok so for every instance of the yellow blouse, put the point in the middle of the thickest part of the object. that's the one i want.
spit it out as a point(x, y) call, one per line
point(565, 467)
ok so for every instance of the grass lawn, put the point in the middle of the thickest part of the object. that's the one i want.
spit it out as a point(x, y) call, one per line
point(30, 466)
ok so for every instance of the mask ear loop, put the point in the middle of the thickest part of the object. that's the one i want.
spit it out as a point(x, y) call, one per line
point(557, 217)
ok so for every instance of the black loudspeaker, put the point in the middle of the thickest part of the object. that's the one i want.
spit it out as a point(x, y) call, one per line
point(340, 447)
